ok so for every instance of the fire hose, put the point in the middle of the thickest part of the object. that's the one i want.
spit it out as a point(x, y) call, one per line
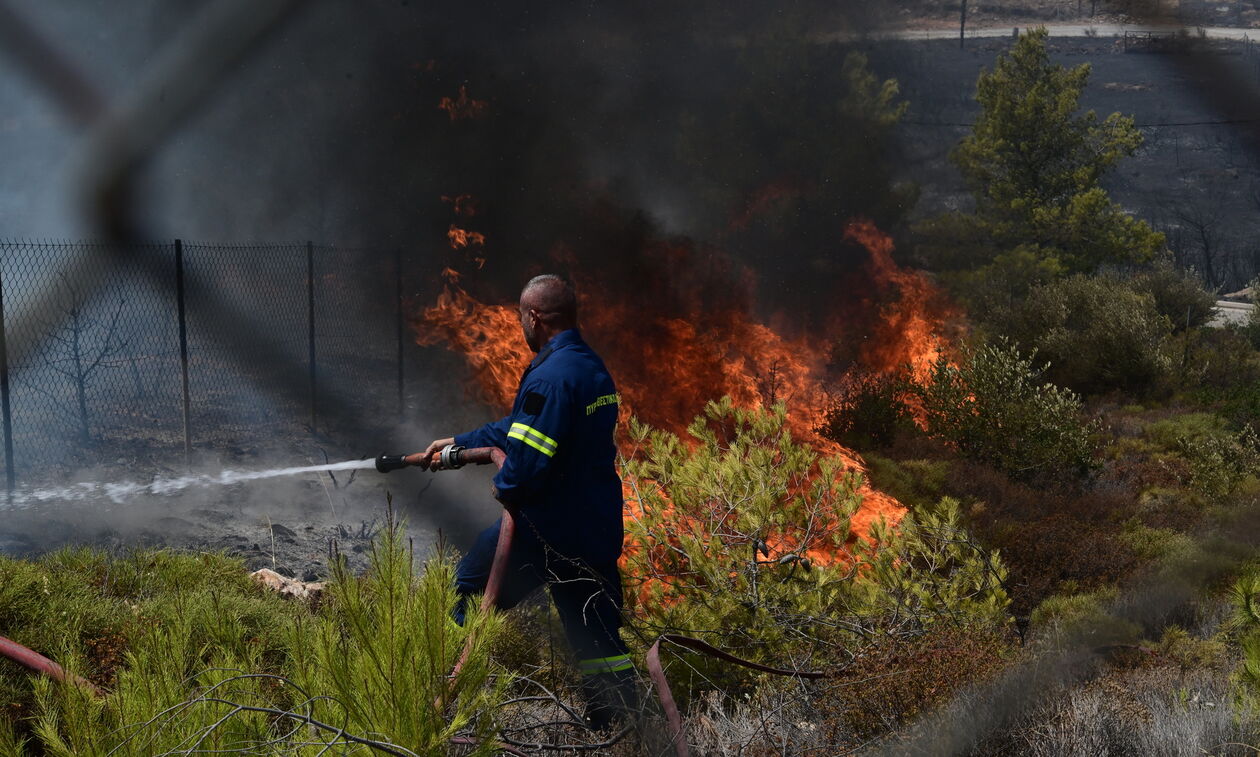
point(40, 664)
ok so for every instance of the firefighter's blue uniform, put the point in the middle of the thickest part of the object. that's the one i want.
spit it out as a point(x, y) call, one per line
point(561, 479)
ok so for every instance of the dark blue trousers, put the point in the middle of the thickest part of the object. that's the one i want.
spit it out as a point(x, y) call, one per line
point(587, 596)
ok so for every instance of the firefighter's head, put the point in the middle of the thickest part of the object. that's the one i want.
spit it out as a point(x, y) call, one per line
point(548, 306)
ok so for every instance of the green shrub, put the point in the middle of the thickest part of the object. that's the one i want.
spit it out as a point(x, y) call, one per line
point(1220, 463)
point(1154, 543)
point(1251, 329)
point(1239, 403)
point(1190, 652)
point(196, 640)
point(1220, 359)
point(1171, 433)
point(1178, 295)
point(743, 537)
point(1098, 333)
point(994, 408)
point(1071, 608)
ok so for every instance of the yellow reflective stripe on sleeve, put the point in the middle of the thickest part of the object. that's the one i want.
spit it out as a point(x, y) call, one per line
point(534, 438)
point(605, 665)
point(540, 436)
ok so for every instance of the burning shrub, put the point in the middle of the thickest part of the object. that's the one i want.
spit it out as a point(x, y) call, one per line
point(743, 537)
point(993, 408)
point(867, 412)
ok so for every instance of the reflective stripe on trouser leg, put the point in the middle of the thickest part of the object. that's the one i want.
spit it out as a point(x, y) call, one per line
point(599, 665)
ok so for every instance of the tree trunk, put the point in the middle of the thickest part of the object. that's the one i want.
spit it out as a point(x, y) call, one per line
point(80, 380)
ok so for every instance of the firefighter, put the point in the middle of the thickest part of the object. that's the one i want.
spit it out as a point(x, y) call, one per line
point(561, 481)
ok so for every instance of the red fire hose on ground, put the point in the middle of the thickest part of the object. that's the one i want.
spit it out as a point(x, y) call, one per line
point(41, 664)
point(452, 458)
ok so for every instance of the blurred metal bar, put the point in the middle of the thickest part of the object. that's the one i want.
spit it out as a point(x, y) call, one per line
point(183, 346)
point(310, 320)
point(181, 81)
point(399, 302)
point(10, 474)
point(125, 135)
point(62, 81)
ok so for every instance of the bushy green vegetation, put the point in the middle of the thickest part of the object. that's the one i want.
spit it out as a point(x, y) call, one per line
point(993, 407)
point(192, 654)
point(1098, 333)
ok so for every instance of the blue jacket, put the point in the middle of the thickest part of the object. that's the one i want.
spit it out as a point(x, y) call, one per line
point(560, 473)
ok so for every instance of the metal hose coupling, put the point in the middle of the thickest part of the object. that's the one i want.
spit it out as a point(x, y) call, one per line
point(451, 458)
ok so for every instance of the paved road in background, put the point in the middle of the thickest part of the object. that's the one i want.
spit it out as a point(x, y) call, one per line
point(1231, 312)
point(1064, 30)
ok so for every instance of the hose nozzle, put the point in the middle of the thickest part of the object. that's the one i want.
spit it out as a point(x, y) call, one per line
point(387, 463)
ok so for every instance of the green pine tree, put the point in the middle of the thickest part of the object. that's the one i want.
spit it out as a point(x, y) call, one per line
point(1034, 164)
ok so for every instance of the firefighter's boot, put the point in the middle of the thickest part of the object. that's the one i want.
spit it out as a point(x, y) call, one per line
point(611, 698)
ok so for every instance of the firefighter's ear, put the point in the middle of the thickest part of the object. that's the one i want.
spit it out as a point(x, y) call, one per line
point(533, 404)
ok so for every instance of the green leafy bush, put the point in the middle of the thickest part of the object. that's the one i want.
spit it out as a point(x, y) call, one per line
point(1220, 463)
point(1098, 333)
point(918, 484)
point(1171, 433)
point(1177, 295)
point(1220, 361)
point(993, 407)
point(742, 536)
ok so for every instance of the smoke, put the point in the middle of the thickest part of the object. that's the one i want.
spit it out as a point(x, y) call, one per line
point(332, 132)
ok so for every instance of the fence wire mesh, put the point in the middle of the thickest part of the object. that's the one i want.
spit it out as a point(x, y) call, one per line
point(106, 379)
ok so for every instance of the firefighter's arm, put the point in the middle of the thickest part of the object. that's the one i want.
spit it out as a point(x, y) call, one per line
point(537, 430)
point(490, 435)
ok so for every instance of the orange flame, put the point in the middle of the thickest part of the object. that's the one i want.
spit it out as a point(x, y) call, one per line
point(463, 106)
point(910, 328)
point(460, 238)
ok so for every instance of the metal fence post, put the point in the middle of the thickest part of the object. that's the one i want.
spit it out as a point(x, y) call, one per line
point(183, 346)
point(399, 290)
point(10, 475)
point(310, 318)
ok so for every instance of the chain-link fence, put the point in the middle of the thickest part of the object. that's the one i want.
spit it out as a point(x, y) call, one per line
point(126, 365)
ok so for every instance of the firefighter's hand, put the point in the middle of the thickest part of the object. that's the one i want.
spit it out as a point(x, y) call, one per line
point(432, 456)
